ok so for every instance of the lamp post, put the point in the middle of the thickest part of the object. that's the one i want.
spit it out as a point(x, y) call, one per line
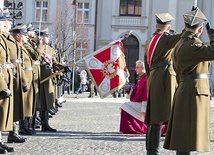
point(1, 5)
point(14, 7)
point(74, 45)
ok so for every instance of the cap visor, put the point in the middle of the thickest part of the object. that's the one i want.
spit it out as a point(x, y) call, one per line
point(24, 33)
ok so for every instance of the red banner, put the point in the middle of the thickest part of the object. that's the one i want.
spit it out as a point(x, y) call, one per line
point(107, 68)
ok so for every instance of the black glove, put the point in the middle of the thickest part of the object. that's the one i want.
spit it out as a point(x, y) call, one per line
point(210, 32)
point(5, 93)
point(194, 8)
point(66, 68)
point(26, 88)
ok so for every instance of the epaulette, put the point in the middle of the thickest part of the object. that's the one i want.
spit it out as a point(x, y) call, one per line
point(166, 33)
point(197, 42)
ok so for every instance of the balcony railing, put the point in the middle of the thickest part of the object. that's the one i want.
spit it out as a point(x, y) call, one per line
point(128, 21)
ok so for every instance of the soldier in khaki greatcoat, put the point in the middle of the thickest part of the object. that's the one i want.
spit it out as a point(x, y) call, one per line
point(18, 81)
point(189, 123)
point(160, 79)
point(20, 35)
point(35, 48)
point(48, 63)
point(6, 87)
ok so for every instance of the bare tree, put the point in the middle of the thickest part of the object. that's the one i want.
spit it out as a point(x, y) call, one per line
point(65, 27)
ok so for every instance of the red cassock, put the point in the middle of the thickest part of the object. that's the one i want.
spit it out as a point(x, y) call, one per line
point(132, 113)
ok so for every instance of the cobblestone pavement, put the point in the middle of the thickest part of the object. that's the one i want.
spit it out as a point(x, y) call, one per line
point(90, 126)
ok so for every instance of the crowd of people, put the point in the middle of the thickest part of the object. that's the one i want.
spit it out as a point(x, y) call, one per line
point(172, 89)
point(175, 64)
point(26, 101)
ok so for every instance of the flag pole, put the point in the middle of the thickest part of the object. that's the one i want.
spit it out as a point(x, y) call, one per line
point(195, 3)
point(41, 14)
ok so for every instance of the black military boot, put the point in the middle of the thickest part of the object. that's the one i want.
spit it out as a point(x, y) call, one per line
point(33, 124)
point(2, 150)
point(153, 139)
point(57, 103)
point(24, 129)
point(14, 136)
point(114, 94)
point(53, 111)
point(38, 122)
point(182, 153)
point(7, 148)
point(45, 122)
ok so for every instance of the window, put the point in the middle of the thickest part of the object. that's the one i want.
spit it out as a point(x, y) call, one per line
point(82, 49)
point(41, 10)
point(83, 13)
point(130, 7)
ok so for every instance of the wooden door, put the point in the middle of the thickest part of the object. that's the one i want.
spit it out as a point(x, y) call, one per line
point(131, 47)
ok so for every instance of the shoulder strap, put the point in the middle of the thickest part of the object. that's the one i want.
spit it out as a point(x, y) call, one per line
point(152, 47)
point(47, 58)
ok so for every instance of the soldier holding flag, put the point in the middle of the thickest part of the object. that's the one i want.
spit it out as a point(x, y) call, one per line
point(191, 104)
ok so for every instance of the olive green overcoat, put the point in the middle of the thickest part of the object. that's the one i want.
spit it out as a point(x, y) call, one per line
point(6, 81)
point(47, 89)
point(189, 124)
point(29, 96)
point(19, 79)
point(35, 50)
point(161, 81)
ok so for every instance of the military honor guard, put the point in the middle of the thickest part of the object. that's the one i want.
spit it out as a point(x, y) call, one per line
point(35, 48)
point(160, 79)
point(20, 35)
point(6, 88)
point(189, 123)
point(19, 81)
point(49, 64)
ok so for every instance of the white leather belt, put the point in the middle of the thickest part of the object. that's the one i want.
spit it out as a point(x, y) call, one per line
point(16, 61)
point(36, 63)
point(28, 68)
point(7, 65)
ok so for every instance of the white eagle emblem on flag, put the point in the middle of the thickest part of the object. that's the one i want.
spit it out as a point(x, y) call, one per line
point(107, 68)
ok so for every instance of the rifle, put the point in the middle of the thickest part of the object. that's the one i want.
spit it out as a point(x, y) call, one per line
point(51, 76)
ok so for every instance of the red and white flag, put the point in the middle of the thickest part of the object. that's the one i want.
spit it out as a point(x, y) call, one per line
point(107, 68)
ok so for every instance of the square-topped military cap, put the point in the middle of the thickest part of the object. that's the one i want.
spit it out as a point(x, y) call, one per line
point(22, 29)
point(2, 17)
point(36, 31)
point(164, 18)
point(44, 32)
point(30, 27)
point(194, 18)
point(7, 15)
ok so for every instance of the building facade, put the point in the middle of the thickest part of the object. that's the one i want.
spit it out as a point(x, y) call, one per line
point(104, 21)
